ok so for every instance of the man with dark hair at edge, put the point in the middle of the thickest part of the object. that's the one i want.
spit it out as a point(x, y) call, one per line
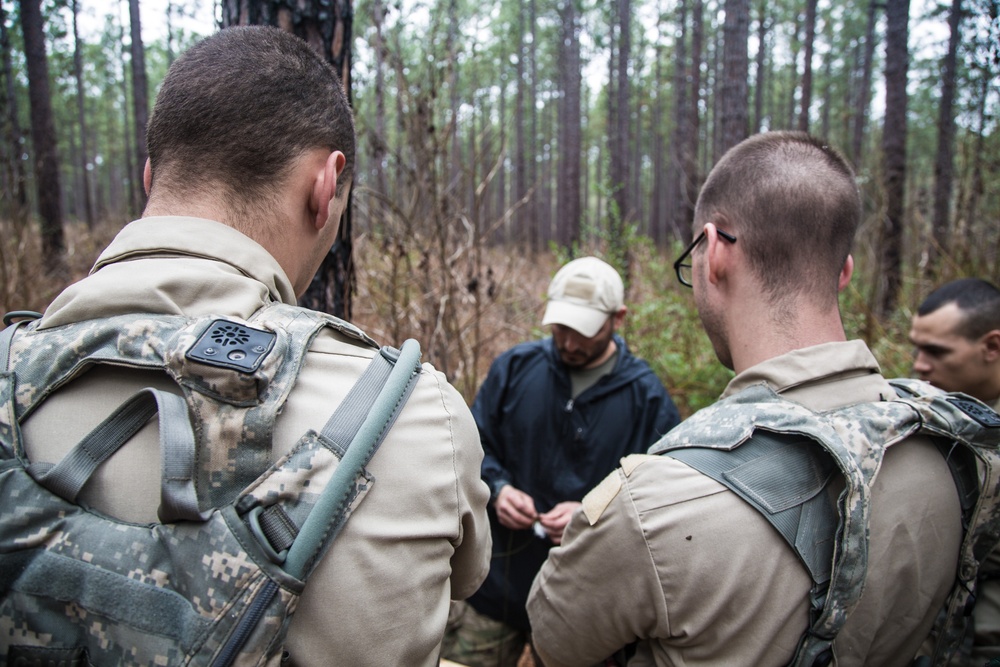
point(251, 151)
point(956, 333)
point(555, 416)
point(667, 557)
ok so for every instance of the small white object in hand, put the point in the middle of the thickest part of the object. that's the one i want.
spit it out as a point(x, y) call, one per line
point(539, 530)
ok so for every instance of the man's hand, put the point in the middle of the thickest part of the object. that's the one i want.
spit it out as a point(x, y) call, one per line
point(515, 508)
point(554, 521)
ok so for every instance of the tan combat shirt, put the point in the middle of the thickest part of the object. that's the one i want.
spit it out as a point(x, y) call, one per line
point(665, 555)
point(421, 536)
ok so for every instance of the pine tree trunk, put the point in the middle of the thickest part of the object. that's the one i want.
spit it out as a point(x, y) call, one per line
point(379, 152)
point(735, 70)
point(675, 185)
point(43, 136)
point(894, 151)
point(520, 190)
point(620, 140)
point(944, 162)
point(864, 95)
point(15, 188)
point(692, 178)
point(82, 119)
point(761, 61)
point(536, 237)
point(570, 129)
point(807, 68)
point(140, 104)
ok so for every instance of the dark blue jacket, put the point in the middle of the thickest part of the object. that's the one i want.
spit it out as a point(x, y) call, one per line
point(538, 439)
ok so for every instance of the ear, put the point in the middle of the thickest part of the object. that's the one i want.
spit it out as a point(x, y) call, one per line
point(717, 254)
point(325, 188)
point(845, 274)
point(619, 317)
point(991, 345)
point(147, 176)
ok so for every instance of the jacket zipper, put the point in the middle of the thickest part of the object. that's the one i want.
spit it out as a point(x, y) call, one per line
point(246, 625)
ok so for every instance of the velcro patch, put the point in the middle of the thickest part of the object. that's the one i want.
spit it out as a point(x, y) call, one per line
point(977, 411)
point(595, 502)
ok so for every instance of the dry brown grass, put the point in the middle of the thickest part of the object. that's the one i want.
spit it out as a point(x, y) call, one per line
point(463, 313)
point(29, 281)
point(472, 303)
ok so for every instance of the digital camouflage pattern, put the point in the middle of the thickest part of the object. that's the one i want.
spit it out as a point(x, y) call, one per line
point(857, 437)
point(77, 587)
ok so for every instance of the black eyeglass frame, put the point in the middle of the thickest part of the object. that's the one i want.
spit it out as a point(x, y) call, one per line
point(679, 264)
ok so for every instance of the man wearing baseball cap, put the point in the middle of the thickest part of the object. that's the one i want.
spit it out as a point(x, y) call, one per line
point(555, 416)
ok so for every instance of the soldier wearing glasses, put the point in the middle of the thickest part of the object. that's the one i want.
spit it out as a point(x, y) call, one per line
point(667, 557)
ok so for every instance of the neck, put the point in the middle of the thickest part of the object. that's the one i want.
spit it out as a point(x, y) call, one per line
point(192, 207)
point(763, 333)
point(608, 351)
point(270, 229)
point(989, 393)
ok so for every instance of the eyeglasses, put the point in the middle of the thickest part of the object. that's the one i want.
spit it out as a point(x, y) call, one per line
point(683, 268)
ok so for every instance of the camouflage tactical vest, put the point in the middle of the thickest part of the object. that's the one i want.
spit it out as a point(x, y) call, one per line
point(217, 581)
point(763, 448)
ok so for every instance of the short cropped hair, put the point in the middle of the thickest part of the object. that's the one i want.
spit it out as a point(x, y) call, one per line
point(238, 107)
point(794, 206)
point(978, 300)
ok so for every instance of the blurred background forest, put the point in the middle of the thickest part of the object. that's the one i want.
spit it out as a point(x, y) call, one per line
point(499, 138)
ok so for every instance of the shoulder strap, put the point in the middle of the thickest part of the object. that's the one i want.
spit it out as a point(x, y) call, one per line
point(357, 427)
point(178, 500)
point(7, 335)
point(362, 419)
point(784, 477)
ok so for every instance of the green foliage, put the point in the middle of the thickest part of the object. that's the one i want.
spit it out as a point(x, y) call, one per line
point(663, 328)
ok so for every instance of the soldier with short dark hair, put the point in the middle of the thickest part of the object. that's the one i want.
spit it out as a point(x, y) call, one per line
point(956, 332)
point(956, 335)
point(251, 145)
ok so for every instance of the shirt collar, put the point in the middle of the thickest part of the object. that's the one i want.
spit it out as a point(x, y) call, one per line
point(199, 237)
point(807, 365)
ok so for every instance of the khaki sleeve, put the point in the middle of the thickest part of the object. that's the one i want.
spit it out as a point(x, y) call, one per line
point(470, 562)
point(581, 615)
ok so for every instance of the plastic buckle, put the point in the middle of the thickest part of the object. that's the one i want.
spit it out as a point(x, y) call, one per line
point(253, 521)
